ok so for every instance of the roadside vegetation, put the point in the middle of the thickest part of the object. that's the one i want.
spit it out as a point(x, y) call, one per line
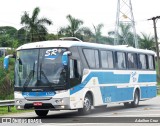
point(6, 80)
point(4, 110)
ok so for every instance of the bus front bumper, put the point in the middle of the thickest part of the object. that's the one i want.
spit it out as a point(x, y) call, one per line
point(51, 104)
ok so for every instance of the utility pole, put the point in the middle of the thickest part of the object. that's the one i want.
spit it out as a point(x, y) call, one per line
point(156, 40)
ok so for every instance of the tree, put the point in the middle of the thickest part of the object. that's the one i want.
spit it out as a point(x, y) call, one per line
point(8, 35)
point(22, 36)
point(52, 37)
point(125, 35)
point(73, 29)
point(97, 32)
point(35, 27)
point(147, 42)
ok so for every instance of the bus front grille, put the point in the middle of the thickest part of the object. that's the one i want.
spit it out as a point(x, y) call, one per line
point(38, 98)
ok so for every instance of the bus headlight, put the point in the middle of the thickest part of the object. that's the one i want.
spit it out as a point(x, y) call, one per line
point(59, 101)
point(19, 102)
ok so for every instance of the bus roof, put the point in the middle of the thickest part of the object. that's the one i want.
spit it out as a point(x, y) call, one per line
point(67, 44)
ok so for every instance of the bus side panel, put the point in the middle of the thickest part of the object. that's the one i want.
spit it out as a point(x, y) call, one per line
point(144, 92)
point(148, 92)
point(108, 94)
point(124, 94)
point(114, 94)
point(152, 91)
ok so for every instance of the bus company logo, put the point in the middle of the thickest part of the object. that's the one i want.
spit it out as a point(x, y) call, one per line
point(134, 77)
point(51, 52)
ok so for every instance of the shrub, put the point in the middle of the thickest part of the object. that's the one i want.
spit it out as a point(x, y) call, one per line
point(6, 80)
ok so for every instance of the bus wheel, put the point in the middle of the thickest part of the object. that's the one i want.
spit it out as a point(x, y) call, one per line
point(135, 100)
point(41, 112)
point(86, 105)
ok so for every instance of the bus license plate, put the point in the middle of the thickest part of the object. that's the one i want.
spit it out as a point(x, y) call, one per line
point(37, 103)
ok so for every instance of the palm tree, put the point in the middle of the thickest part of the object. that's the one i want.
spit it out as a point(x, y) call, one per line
point(34, 26)
point(147, 42)
point(125, 35)
point(73, 29)
point(97, 32)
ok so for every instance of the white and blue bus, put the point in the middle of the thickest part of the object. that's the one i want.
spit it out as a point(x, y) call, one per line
point(75, 75)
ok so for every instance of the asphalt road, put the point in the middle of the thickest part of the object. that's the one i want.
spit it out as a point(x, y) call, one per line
point(147, 113)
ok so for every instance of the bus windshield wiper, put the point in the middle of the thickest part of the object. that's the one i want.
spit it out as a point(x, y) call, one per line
point(42, 73)
point(28, 79)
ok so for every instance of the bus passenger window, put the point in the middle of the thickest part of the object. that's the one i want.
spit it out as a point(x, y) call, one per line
point(142, 61)
point(92, 57)
point(121, 60)
point(107, 59)
point(132, 61)
point(151, 62)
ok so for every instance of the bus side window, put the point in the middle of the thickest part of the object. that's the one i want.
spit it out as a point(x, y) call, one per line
point(142, 62)
point(120, 60)
point(106, 59)
point(151, 62)
point(132, 60)
point(92, 57)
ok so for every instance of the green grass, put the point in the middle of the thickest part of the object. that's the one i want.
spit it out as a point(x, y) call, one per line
point(4, 110)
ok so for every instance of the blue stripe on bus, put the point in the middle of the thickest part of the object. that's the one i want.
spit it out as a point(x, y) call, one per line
point(111, 78)
point(148, 92)
point(37, 94)
point(147, 78)
point(108, 78)
point(103, 78)
point(114, 94)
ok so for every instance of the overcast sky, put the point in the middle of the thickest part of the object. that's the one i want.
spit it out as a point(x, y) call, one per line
point(90, 11)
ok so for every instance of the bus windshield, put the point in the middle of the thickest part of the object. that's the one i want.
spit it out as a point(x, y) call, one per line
point(40, 68)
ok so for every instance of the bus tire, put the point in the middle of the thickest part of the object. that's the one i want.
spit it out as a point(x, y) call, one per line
point(86, 105)
point(41, 113)
point(135, 101)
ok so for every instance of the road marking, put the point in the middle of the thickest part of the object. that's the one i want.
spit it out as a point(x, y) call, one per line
point(126, 112)
point(140, 115)
point(67, 124)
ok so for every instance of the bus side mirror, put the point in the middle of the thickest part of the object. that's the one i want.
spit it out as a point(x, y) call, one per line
point(6, 61)
point(65, 58)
